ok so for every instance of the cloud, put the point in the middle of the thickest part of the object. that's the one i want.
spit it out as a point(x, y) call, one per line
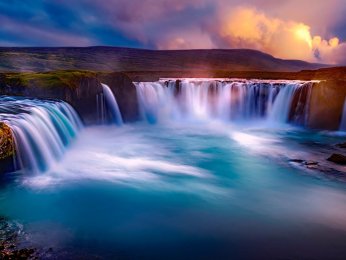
point(190, 38)
point(312, 30)
point(247, 27)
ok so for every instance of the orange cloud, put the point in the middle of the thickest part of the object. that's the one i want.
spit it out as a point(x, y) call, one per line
point(246, 27)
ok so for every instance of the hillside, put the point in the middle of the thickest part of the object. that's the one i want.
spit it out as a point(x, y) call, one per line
point(126, 59)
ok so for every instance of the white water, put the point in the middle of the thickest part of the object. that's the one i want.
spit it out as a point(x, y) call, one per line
point(42, 130)
point(343, 119)
point(112, 105)
point(209, 99)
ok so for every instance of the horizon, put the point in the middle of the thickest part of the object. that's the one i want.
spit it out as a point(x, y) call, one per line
point(158, 50)
point(295, 30)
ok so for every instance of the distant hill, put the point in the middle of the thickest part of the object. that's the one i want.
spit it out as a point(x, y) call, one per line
point(127, 59)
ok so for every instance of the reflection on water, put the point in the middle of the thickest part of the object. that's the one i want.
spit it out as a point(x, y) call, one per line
point(171, 191)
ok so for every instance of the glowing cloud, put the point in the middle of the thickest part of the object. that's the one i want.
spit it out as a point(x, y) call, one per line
point(246, 27)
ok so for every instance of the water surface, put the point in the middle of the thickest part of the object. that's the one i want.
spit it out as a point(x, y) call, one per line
point(206, 190)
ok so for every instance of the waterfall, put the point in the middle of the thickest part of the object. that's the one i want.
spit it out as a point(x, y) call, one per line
point(41, 129)
point(221, 99)
point(110, 104)
point(342, 126)
point(282, 104)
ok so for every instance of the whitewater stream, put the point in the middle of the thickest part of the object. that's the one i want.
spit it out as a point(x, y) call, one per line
point(207, 173)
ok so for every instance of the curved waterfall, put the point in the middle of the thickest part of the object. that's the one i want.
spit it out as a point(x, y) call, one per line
point(108, 109)
point(226, 100)
point(42, 130)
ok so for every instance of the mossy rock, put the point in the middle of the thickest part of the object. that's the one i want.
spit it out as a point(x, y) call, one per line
point(53, 79)
point(6, 142)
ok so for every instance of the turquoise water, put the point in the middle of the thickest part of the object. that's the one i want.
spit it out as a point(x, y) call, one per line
point(183, 191)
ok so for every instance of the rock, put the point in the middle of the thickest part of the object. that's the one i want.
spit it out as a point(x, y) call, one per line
point(310, 163)
point(296, 160)
point(10, 248)
point(324, 114)
point(6, 141)
point(342, 145)
point(337, 158)
point(78, 88)
point(7, 148)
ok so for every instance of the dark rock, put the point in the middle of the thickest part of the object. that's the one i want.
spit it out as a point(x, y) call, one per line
point(9, 241)
point(342, 145)
point(296, 160)
point(337, 158)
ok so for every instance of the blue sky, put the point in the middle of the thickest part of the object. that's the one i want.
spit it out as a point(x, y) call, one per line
point(313, 30)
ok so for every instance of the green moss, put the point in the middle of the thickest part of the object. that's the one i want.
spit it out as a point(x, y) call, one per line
point(47, 79)
point(6, 141)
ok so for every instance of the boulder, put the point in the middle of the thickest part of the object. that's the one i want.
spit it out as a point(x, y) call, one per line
point(337, 158)
point(7, 148)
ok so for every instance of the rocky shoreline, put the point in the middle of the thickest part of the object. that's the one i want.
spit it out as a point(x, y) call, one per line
point(328, 160)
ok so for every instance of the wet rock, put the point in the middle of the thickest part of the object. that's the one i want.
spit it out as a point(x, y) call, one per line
point(337, 158)
point(6, 148)
point(10, 232)
point(6, 141)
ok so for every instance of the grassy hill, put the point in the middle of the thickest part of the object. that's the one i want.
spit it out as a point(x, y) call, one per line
point(127, 59)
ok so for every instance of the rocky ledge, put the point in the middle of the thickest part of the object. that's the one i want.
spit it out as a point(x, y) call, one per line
point(6, 148)
point(326, 159)
point(78, 88)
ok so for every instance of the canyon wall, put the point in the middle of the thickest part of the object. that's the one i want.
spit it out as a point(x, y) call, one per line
point(78, 88)
point(326, 104)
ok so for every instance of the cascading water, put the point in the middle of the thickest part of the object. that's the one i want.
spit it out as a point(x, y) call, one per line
point(42, 130)
point(110, 106)
point(281, 106)
point(222, 99)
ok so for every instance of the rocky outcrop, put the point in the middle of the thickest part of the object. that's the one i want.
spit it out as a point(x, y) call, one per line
point(78, 88)
point(326, 104)
point(7, 148)
point(337, 158)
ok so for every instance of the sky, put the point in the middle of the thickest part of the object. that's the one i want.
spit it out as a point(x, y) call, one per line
point(311, 30)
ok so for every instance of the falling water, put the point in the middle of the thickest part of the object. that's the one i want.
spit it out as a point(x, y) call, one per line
point(343, 119)
point(42, 130)
point(282, 104)
point(226, 100)
point(111, 106)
